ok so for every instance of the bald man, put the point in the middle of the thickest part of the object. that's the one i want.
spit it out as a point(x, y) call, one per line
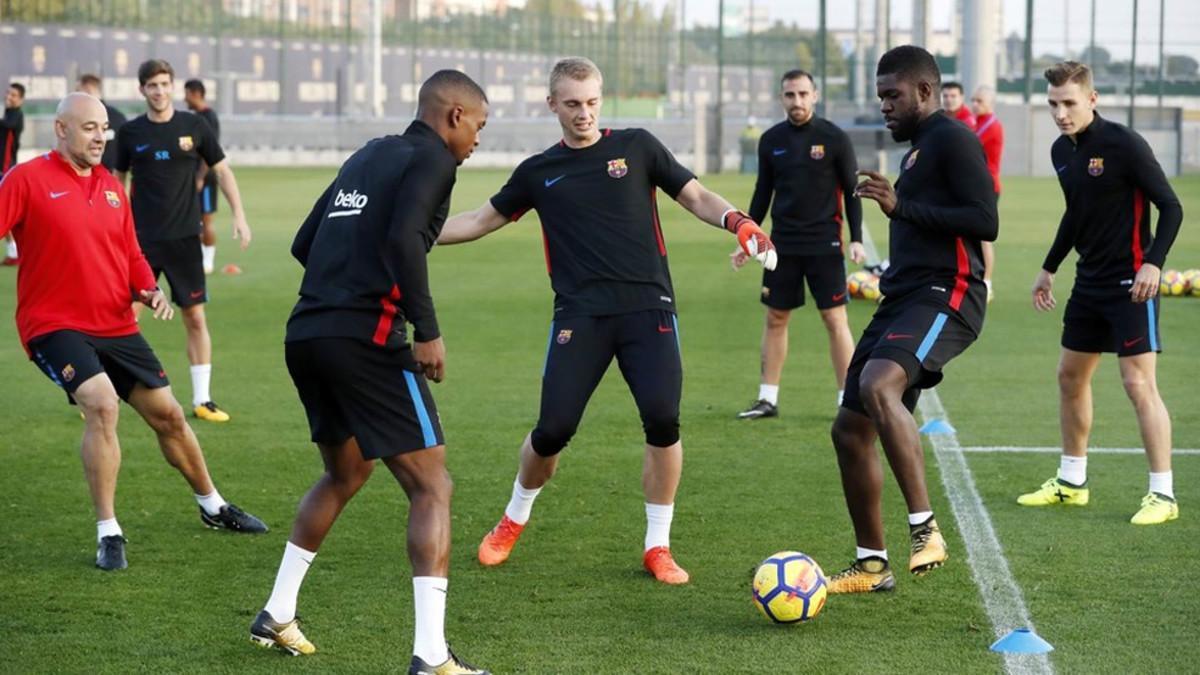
point(991, 135)
point(363, 386)
point(83, 336)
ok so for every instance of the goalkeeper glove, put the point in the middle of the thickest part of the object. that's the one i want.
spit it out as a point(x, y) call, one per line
point(751, 238)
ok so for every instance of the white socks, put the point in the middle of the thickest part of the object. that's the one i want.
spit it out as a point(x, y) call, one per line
point(919, 517)
point(1072, 469)
point(841, 395)
point(211, 503)
point(209, 253)
point(769, 393)
point(860, 553)
point(1162, 483)
point(658, 525)
point(11, 249)
point(429, 605)
point(282, 603)
point(519, 507)
point(107, 528)
point(201, 376)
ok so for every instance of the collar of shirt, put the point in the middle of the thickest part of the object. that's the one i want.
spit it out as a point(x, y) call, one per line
point(1090, 130)
point(419, 128)
point(86, 182)
point(928, 123)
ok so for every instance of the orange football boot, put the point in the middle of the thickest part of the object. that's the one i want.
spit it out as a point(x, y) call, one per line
point(498, 543)
point(658, 561)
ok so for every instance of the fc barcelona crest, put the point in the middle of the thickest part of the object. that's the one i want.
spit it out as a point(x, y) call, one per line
point(185, 143)
point(112, 199)
point(68, 373)
point(1095, 166)
point(617, 169)
point(816, 151)
point(564, 336)
point(912, 159)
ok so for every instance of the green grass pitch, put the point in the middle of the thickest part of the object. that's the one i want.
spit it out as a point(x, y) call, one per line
point(573, 598)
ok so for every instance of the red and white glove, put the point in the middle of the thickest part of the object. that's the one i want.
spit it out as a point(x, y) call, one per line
point(751, 237)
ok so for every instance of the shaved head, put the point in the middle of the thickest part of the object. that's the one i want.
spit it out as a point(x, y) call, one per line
point(983, 101)
point(80, 122)
point(456, 108)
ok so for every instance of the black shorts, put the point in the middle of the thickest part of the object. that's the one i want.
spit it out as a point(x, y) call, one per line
point(70, 358)
point(354, 389)
point(208, 197)
point(646, 347)
point(183, 263)
point(783, 288)
point(920, 333)
point(1109, 321)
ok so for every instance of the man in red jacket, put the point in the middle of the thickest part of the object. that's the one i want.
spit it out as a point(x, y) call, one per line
point(954, 103)
point(68, 213)
point(991, 135)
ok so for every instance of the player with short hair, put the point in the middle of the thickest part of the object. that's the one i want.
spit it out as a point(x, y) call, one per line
point(954, 102)
point(595, 193)
point(808, 164)
point(1109, 177)
point(162, 148)
point(91, 84)
point(11, 127)
point(78, 327)
point(363, 248)
point(991, 136)
point(206, 181)
point(940, 210)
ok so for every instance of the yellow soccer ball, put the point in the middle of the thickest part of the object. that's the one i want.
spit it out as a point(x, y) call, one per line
point(855, 281)
point(1172, 284)
point(789, 587)
point(1192, 279)
point(870, 289)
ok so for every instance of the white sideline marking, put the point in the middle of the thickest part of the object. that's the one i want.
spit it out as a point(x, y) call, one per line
point(1002, 599)
point(1055, 450)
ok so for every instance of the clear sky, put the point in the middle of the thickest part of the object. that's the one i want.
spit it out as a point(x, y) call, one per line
point(1051, 29)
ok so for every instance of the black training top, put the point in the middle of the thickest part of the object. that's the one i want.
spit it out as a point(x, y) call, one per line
point(1109, 176)
point(116, 120)
point(11, 126)
point(811, 169)
point(163, 157)
point(364, 244)
point(604, 244)
point(209, 115)
point(946, 206)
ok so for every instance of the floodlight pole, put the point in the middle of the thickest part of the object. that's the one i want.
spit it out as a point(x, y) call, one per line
point(822, 59)
point(720, 78)
point(1162, 12)
point(1092, 42)
point(1133, 64)
point(1028, 93)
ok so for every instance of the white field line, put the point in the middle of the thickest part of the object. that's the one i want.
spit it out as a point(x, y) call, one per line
point(983, 449)
point(1002, 599)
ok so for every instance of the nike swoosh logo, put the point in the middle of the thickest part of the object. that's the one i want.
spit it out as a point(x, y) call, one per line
point(665, 329)
point(779, 151)
point(839, 296)
point(898, 336)
point(195, 294)
point(1130, 343)
point(56, 195)
point(552, 181)
point(141, 148)
point(1060, 169)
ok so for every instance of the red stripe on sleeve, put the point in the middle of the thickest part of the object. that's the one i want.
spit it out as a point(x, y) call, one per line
point(1139, 205)
point(662, 246)
point(960, 279)
point(387, 315)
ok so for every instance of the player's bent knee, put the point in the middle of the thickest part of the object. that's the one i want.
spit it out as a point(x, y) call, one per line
point(104, 409)
point(169, 419)
point(549, 441)
point(661, 432)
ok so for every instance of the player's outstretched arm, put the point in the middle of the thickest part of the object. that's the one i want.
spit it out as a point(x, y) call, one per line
point(472, 225)
point(714, 209)
point(229, 188)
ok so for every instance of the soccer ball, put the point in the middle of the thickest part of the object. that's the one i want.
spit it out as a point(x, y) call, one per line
point(870, 289)
point(1192, 279)
point(854, 282)
point(1173, 284)
point(789, 587)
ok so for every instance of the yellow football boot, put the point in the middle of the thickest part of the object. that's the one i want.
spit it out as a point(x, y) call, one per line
point(209, 412)
point(451, 666)
point(1156, 509)
point(928, 547)
point(864, 576)
point(268, 633)
point(1056, 491)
